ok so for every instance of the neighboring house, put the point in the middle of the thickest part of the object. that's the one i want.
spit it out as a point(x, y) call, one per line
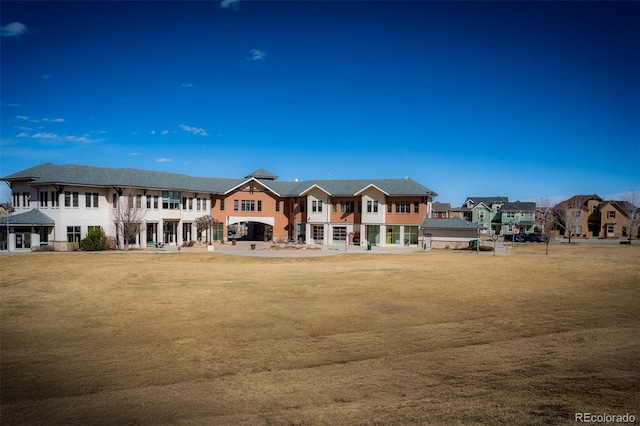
point(483, 210)
point(440, 210)
point(518, 215)
point(583, 214)
point(614, 219)
point(71, 199)
point(452, 233)
point(595, 217)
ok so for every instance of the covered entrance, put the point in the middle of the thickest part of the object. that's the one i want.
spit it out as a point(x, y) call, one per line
point(250, 228)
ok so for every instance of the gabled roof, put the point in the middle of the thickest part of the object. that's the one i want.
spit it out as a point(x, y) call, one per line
point(249, 181)
point(518, 206)
point(487, 200)
point(32, 217)
point(49, 173)
point(440, 207)
point(262, 174)
point(371, 185)
point(577, 200)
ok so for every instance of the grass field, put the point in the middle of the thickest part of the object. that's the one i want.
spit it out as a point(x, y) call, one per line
point(425, 338)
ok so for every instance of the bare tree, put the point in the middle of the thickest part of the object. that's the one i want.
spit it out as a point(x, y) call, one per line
point(630, 206)
point(544, 220)
point(568, 214)
point(128, 216)
point(205, 223)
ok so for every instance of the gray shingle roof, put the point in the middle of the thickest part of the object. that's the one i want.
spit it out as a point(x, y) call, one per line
point(262, 174)
point(487, 200)
point(454, 223)
point(49, 173)
point(518, 206)
point(32, 217)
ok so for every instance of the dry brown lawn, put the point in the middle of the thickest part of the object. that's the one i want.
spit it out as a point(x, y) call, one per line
point(425, 338)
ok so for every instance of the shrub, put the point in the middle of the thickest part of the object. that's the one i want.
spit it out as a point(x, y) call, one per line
point(95, 240)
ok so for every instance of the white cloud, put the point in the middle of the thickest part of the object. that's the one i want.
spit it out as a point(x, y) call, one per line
point(14, 29)
point(153, 132)
point(23, 135)
point(134, 153)
point(45, 135)
point(54, 120)
point(82, 138)
point(194, 130)
point(229, 4)
point(14, 105)
point(164, 132)
point(256, 55)
point(163, 160)
point(187, 84)
point(22, 117)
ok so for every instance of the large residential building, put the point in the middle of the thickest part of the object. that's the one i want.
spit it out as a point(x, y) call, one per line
point(56, 205)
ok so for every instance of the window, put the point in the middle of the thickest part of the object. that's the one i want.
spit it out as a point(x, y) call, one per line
point(73, 234)
point(155, 202)
point(138, 201)
point(91, 199)
point(44, 199)
point(314, 206)
point(393, 234)
point(579, 229)
point(67, 199)
point(148, 201)
point(510, 215)
point(576, 213)
point(411, 235)
point(248, 205)
point(259, 205)
point(114, 200)
point(346, 206)
point(76, 198)
point(222, 205)
point(235, 205)
point(204, 204)
point(389, 207)
point(318, 232)
point(339, 233)
point(416, 207)
point(44, 235)
point(303, 206)
point(403, 207)
point(611, 214)
point(610, 229)
point(277, 206)
point(191, 203)
point(319, 206)
point(369, 206)
point(171, 200)
point(375, 206)
point(359, 206)
point(218, 232)
point(184, 203)
point(55, 202)
point(334, 207)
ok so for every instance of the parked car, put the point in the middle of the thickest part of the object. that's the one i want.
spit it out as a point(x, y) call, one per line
point(534, 238)
point(517, 237)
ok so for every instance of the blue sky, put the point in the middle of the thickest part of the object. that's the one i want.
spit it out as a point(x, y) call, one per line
point(518, 99)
